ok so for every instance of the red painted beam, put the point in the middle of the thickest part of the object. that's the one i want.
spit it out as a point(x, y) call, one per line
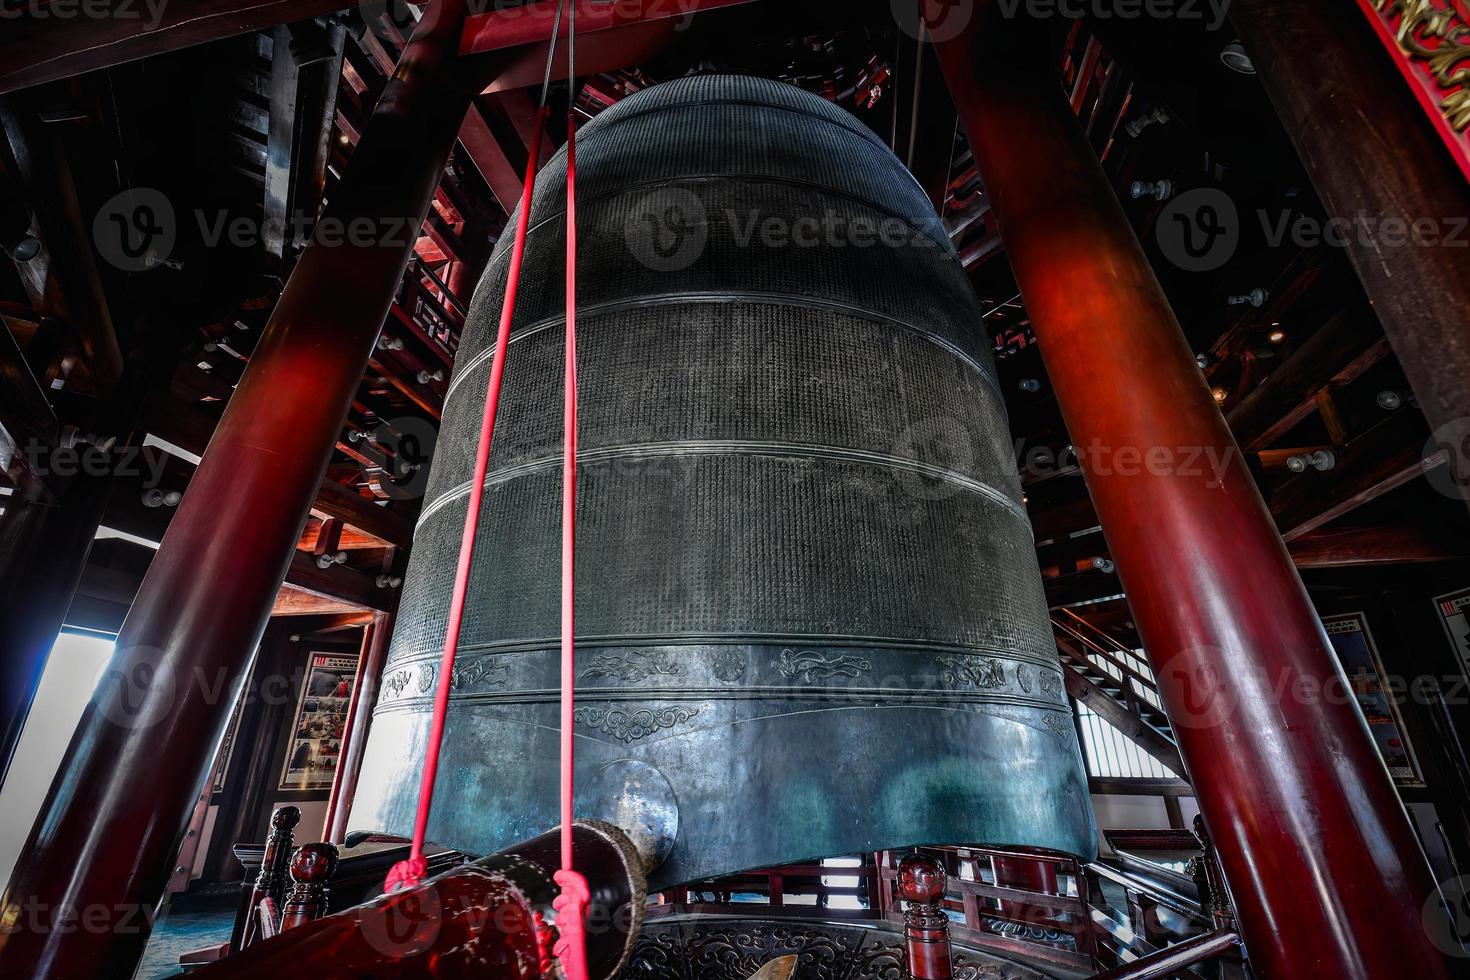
point(514, 27)
point(1328, 874)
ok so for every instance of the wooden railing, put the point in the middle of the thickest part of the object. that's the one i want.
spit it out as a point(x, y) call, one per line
point(1096, 917)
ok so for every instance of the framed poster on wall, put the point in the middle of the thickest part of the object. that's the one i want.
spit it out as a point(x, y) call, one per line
point(1454, 613)
point(1358, 654)
point(321, 717)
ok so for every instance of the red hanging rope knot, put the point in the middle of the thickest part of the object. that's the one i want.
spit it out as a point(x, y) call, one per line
point(406, 874)
point(571, 911)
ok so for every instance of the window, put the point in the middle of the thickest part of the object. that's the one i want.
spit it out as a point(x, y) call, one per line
point(1111, 754)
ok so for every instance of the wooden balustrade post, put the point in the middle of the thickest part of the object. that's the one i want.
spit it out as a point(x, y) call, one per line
point(921, 884)
point(312, 868)
point(1213, 894)
point(270, 881)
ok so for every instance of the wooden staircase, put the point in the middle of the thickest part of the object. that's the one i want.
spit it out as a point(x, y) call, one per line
point(1117, 685)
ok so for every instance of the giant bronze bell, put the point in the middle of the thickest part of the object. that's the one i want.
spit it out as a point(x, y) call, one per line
point(810, 620)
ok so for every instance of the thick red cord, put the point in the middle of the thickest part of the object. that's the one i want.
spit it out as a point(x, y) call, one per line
point(571, 905)
point(406, 874)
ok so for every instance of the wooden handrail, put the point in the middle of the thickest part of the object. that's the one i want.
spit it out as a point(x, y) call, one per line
point(1109, 656)
point(1098, 631)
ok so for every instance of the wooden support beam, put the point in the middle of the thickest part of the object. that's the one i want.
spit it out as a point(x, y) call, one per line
point(512, 27)
point(348, 538)
point(280, 145)
point(486, 153)
point(36, 49)
point(73, 290)
point(335, 500)
point(1340, 350)
point(1386, 456)
point(1349, 546)
point(1353, 118)
point(132, 785)
point(303, 111)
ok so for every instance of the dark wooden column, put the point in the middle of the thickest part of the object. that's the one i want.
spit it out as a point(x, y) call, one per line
point(1373, 155)
point(111, 824)
point(1317, 848)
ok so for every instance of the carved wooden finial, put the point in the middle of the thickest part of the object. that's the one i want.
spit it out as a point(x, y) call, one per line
point(285, 819)
point(312, 867)
point(270, 880)
point(921, 884)
point(921, 879)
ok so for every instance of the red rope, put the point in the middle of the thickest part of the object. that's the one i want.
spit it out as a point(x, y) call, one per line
point(571, 947)
point(406, 874)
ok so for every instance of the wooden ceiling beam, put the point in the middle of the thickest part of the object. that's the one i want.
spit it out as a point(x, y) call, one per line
point(34, 50)
point(532, 23)
point(291, 601)
point(73, 289)
point(1339, 351)
point(338, 582)
point(335, 500)
point(1385, 457)
point(488, 156)
point(1353, 546)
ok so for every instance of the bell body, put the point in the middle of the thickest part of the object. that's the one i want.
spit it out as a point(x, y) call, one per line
point(810, 620)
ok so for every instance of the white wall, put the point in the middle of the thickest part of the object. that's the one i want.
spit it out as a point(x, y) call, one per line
point(1136, 813)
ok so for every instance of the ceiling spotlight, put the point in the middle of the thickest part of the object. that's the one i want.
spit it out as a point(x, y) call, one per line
point(1220, 393)
point(1233, 56)
point(23, 248)
point(1277, 335)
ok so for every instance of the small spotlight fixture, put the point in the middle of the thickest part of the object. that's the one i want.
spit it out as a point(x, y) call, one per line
point(1220, 393)
point(1234, 57)
point(1277, 335)
point(1390, 400)
point(24, 248)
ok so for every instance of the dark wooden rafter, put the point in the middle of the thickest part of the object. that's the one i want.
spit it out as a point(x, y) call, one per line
point(1337, 353)
point(303, 110)
point(33, 51)
point(26, 417)
point(1386, 456)
point(71, 289)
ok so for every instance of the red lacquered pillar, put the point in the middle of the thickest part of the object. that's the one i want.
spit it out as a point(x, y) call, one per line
point(1318, 851)
point(100, 855)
